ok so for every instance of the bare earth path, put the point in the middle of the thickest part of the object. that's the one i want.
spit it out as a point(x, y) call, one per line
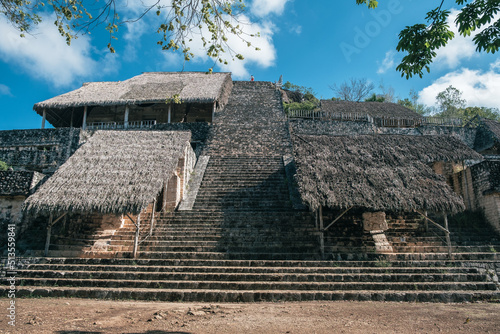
point(102, 316)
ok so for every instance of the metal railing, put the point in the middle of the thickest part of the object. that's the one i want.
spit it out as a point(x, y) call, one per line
point(442, 121)
point(394, 122)
point(121, 125)
point(330, 116)
point(398, 122)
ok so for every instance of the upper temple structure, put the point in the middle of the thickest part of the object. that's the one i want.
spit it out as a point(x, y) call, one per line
point(192, 186)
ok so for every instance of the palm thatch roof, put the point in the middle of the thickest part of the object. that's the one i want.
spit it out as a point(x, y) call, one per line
point(374, 109)
point(113, 172)
point(377, 172)
point(492, 126)
point(149, 87)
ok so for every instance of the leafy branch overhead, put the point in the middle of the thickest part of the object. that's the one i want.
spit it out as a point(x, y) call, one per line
point(420, 41)
point(215, 21)
point(179, 21)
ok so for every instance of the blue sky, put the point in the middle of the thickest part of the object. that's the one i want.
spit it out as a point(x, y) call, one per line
point(311, 43)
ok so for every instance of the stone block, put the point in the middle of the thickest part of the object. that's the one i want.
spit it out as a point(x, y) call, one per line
point(374, 221)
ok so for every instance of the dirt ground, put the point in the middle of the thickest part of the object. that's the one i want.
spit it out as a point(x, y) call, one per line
point(103, 316)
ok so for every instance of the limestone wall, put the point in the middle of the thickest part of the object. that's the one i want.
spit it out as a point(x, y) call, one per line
point(479, 186)
point(315, 127)
point(41, 150)
point(10, 210)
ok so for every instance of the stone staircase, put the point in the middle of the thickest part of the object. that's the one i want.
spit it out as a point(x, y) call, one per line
point(252, 123)
point(243, 241)
point(219, 280)
point(409, 236)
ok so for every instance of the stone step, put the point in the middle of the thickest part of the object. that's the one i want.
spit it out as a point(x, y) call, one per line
point(175, 295)
point(252, 285)
point(273, 254)
point(313, 278)
point(383, 261)
point(243, 268)
point(240, 247)
point(444, 248)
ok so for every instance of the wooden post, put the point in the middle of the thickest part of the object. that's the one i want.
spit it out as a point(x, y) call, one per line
point(169, 113)
point(152, 218)
point(426, 222)
point(84, 124)
point(213, 111)
point(316, 223)
point(71, 121)
point(125, 117)
point(448, 241)
point(336, 219)
point(49, 231)
point(44, 117)
point(136, 239)
point(322, 234)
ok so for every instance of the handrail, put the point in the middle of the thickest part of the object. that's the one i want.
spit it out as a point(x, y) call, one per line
point(384, 121)
point(121, 125)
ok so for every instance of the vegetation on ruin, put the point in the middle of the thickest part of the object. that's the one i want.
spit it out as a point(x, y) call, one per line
point(299, 97)
point(3, 166)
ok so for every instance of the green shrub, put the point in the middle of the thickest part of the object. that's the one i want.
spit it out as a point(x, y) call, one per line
point(3, 166)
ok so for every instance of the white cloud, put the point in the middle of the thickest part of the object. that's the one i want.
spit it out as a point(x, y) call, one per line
point(479, 88)
point(263, 8)
point(296, 29)
point(458, 49)
point(45, 55)
point(387, 63)
point(5, 90)
point(263, 58)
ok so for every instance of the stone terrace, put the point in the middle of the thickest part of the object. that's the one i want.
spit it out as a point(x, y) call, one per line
point(244, 242)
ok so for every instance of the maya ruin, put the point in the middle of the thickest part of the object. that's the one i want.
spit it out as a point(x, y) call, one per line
point(194, 187)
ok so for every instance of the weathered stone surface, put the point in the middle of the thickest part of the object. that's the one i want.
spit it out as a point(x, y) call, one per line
point(374, 221)
point(42, 150)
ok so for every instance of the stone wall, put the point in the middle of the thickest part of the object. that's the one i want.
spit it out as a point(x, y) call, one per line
point(485, 141)
point(10, 210)
point(15, 186)
point(479, 185)
point(315, 127)
point(41, 150)
point(19, 183)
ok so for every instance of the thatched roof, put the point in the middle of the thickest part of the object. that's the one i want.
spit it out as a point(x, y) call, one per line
point(492, 126)
point(18, 183)
point(149, 87)
point(113, 172)
point(377, 172)
point(374, 109)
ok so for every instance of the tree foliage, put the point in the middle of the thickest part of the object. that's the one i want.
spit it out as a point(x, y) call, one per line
point(353, 90)
point(420, 41)
point(413, 104)
point(216, 20)
point(304, 97)
point(3, 166)
point(375, 98)
point(179, 21)
point(450, 101)
point(451, 104)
